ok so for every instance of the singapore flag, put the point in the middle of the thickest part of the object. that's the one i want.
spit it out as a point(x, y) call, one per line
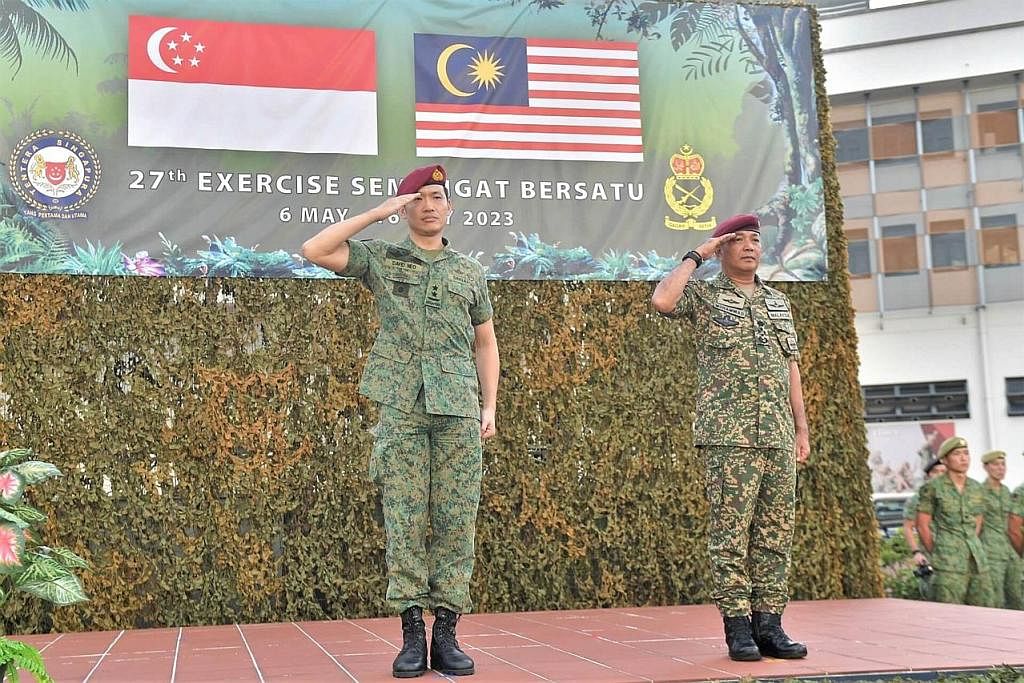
point(263, 87)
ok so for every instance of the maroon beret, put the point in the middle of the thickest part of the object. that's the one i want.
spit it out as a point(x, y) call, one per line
point(743, 221)
point(417, 178)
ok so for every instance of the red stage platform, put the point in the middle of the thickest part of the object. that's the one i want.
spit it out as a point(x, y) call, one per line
point(845, 637)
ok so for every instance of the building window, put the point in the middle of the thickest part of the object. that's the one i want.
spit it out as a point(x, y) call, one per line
point(852, 145)
point(899, 249)
point(999, 243)
point(997, 127)
point(1015, 396)
point(945, 400)
point(898, 175)
point(948, 243)
point(893, 136)
point(858, 249)
point(937, 135)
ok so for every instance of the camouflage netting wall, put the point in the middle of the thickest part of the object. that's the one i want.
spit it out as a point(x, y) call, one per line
point(215, 448)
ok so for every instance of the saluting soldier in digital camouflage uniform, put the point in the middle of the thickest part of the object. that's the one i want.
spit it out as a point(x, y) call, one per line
point(750, 429)
point(924, 578)
point(953, 505)
point(434, 312)
point(1003, 563)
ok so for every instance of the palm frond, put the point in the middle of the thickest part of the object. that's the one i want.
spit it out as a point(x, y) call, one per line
point(63, 5)
point(10, 46)
point(40, 34)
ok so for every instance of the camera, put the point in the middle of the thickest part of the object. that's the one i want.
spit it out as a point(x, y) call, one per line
point(923, 571)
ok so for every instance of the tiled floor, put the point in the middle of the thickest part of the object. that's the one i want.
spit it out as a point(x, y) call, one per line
point(642, 644)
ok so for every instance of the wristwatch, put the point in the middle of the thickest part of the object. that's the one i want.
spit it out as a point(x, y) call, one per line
point(693, 256)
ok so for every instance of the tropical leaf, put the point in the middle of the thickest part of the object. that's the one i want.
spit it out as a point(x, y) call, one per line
point(12, 486)
point(63, 5)
point(19, 655)
point(97, 260)
point(39, 567)
point(13, 455)
point(65, 557)
point(35, 471)
point(12, 548)
point(15, 519)
point(10, 44)
point(27, 513)
point(37, 32)
point(63, 590)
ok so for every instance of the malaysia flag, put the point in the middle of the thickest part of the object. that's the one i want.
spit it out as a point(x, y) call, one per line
point(263, 87)
point(527, 98)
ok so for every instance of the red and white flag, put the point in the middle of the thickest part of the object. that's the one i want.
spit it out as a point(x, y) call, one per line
point(262, 87)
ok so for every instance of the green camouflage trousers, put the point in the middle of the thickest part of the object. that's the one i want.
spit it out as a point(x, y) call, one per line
point(963, 588)
point(1006, 583)
point(752, 494)
point(428, 468)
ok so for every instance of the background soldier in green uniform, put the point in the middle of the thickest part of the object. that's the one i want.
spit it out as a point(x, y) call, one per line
point(924, 577)
point(1015, 525)
point(1003, 563)
point(434, 312)
point(953, 505)
point(750, 428)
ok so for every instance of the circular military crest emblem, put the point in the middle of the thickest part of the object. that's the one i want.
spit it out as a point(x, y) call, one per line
point(54, 171)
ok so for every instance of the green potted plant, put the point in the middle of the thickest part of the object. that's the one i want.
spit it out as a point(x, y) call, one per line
point(25, 563)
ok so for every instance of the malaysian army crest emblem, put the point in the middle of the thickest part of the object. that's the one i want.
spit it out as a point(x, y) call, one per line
point(688, 192)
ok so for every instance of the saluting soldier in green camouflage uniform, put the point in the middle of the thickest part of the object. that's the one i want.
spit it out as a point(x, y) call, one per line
point(931, 471)
point(434, 312)
point(1003, 564)
point(750, 429)
point(953, 505)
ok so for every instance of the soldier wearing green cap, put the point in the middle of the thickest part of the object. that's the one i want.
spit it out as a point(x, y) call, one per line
point(434, 358)
point(1003, 563)
point(954, 506)
point(931, 471)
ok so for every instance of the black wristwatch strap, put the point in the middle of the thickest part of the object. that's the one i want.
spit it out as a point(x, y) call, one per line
point(695, 257)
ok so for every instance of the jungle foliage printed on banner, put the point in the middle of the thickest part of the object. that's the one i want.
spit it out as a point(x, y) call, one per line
point(583, 140)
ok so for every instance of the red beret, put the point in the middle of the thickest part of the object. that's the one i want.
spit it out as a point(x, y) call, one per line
point(417, 178)
point(743, 221)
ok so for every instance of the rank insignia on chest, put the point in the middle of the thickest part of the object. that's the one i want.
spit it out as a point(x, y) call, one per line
point(773, 304)
point(434, 295)
point(731, 300)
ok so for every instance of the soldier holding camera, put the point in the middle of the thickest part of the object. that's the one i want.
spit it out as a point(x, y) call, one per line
point(953, 505)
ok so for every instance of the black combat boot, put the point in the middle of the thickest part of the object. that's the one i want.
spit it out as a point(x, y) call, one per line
point(742, 647)
point(772, 641)
point(412, 660)
point(445, 655)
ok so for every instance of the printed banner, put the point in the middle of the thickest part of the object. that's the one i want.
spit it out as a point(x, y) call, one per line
point(212, 139)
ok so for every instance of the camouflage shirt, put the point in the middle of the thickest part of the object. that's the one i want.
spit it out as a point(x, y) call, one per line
point(744, 347)
point(1017, 501)
point(993, 533)
point(953, 522)
point(427, 307)
point(910, 508)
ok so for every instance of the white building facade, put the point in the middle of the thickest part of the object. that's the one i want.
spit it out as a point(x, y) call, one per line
point(927, 102)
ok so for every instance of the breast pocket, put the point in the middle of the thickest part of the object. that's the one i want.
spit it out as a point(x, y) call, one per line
point(461, 299)
point(785, 333)
point(400, 282)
